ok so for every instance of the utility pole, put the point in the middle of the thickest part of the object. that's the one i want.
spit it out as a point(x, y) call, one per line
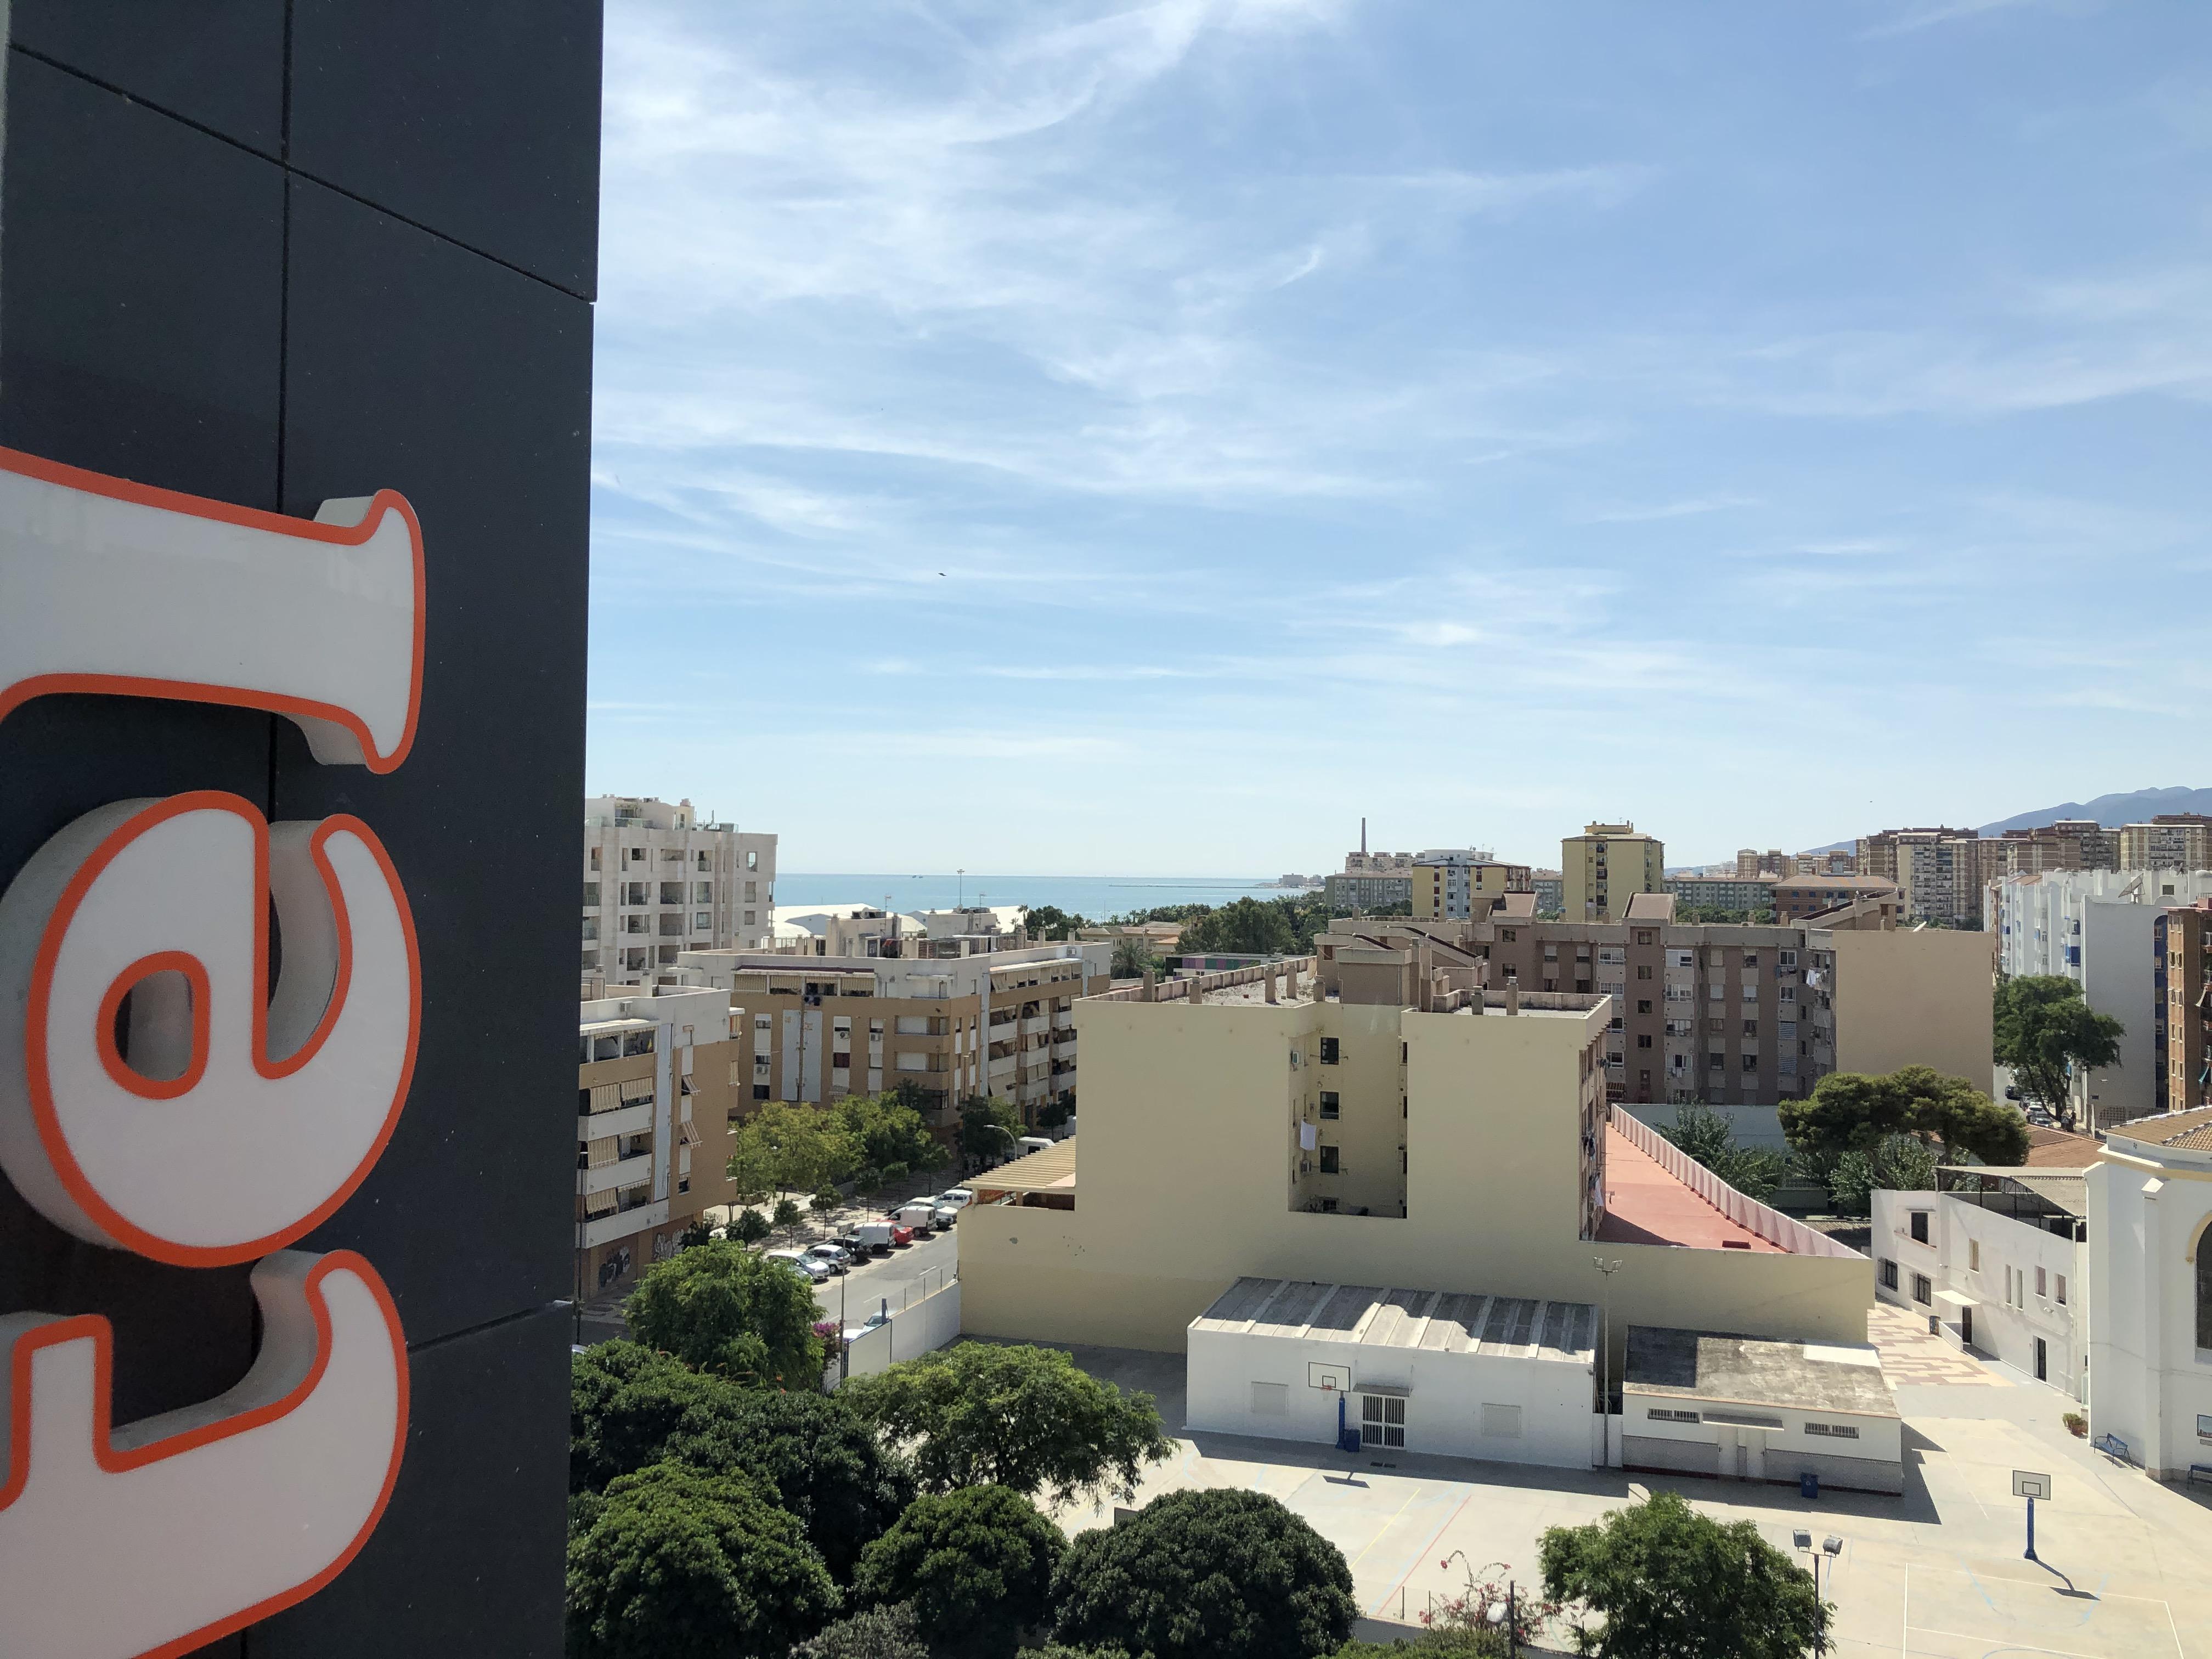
point(1605, 1357)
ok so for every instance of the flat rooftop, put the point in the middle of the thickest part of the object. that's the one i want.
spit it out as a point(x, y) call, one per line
point(1437, 1321)
point(1829, 1376)
point(1645, 1205)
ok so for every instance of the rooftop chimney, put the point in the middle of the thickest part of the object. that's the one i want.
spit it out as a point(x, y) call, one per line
point(1362, 837)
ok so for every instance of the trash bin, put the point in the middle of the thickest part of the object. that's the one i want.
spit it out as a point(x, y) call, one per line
point(1808, 1484)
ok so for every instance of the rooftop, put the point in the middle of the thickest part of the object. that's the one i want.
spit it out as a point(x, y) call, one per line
point(1651, 907)
point(1052, 1170)
point(1835, 1376)
point(2191, 1129)
point(1438, 1321)
point(2054, 1149)
point(1645, 1205)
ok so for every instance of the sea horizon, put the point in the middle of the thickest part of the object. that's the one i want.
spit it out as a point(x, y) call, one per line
point(1092, 897)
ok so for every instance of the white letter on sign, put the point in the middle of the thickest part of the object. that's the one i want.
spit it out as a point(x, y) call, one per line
point(118, 587)
point(203, 1520)
point(154, 1096)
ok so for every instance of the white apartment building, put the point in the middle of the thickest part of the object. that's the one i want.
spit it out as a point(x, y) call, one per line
point(1996, 1259)
point(658, 883)
point(2095, 926)
point(2150, 1291)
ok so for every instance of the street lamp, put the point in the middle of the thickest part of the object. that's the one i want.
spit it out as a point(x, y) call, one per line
point(1831, 1547)
point(1604, 1347)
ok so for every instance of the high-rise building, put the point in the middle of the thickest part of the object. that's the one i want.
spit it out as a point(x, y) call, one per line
point(2181, 947)
point(2172, 840)
point(658, 883)
point(1456, 882)
point(1607, 866)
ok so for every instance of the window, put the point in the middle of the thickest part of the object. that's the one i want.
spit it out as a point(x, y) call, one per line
point(702, 892)
point(1661, 1414)
point(1644, 1040)
point(1785, 958)
point(1751, 1029)
point(2061, 1289)
point(701, 919)
point(1751, 961)
point(1644, 936)
point(595, 858)
point(1511, 934)
point(1889, 1274)
point(1833, 1430)
point(1382, 1421)
point(1328, 1161)
point(1328, 1051)
point(1644, 972)
point(1973, 1255)
point(1751, 990)
point(1922, 1289)
point(1789, 994)
point(1329, 1103)
point(703, 863)
point(2042, 1288)
point(1919, 1226)
point(1716, 1062)
point(1643, 1006)
point(1270, 1399)
point(1751, 1062)
point(752, 861)
point(591, 893)
point(1501, 1422)
point(2204, 1426)
point(760, 1091)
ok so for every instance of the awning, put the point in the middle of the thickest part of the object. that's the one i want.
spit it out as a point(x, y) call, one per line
point(1953, 1300)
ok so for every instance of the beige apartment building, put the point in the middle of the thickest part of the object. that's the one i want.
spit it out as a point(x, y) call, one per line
point(1607, 866)
point(2172, 840)
point(658, 883)
point(1416, 1129)
point(2181, 942)
point(1727, 1013)
point(653, 1124)
point(1456, 882)
point(956, 1016)
point(1797, 897)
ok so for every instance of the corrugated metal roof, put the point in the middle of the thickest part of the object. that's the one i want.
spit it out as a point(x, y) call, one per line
point(1451, 1321)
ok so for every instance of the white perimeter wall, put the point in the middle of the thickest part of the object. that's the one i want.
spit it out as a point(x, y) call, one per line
point(2148, 1380)
point(2007, 1332)
point(1446, 1393)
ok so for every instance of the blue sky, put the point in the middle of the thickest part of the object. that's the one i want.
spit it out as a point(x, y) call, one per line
point(1067, 437)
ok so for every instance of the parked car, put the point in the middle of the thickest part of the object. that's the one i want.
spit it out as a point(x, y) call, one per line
point(955, 1198)
point(901, 1233)
point(834, 1254)
point(856, 1248)
point(944, 1217)
point(2012, 1091)
point(876, 1237)
point(813, 1267)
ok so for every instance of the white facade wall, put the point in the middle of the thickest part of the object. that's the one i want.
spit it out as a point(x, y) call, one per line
point(1552, 1400)
point(2009, 1313)
point(2151, 1223)
point(1757, 1452)
point(2093, 926)
point(657, 882)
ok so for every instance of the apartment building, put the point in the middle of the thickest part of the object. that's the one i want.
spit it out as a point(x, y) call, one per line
point(1797, 897)
point(658, 883)
point(1456, 882)
point(2100, 928)
point(1413, 1129)
point(2181, 948)
point(2068, 844)
point(1747, 894)
point(2172, 840)
point(1730, 1013)
point(1365, 893)
point(956, 1016)
point(653, 1121)
point(1997, 1260)
point(1607, 866)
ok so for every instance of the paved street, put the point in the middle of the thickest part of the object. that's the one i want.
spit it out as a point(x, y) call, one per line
point(1935, 1574)
point(905, 1275)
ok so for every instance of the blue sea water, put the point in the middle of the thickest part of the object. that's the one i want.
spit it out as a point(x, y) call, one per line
point(1094, 896)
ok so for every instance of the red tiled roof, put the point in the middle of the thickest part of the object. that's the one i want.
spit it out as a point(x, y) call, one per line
point(1645, 1205)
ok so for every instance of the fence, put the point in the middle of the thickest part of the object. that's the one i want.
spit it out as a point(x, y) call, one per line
point(925, 1321)
point(1748, 1214)
point(1169, 990)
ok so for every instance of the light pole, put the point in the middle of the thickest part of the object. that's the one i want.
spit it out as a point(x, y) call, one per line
point(1604, 1357)
point(1830, 1546)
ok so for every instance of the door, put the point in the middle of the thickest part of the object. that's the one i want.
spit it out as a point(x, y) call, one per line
point(2042, 1361)
point(1728, 1451)
point(1967, 1326)
point(1751, 1454)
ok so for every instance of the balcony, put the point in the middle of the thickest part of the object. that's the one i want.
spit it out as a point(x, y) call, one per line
point(1003, 1066)
point(605, 1229)
point(1064, 1020)
point(634, 1120)
point(1036, 1025)
point(622, 1172)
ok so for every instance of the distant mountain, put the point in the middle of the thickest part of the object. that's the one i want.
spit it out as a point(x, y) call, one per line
point(2110, 811)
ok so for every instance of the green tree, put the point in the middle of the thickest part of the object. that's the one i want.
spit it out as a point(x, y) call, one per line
point(1707, 1136)
point(1218, 1573)
point(891, 1633)
point(700, 1232)
point(794, 1149)
point(825, 1201)
point(1671, 1583)
point(681, 1565)
point(1053, 1112)
point(720, 1308)
point(788, 1216)
point(749, 1228)
point(631, 1408)
point(1897, 1163)
point(976, 1564)
point(1244, 926)
point(1050, 922)
point(1134, 957)
point(1849, 1111)
point(1022, 1418)
point(988, 1128)
point(885, 1130)
point(2043, 1031)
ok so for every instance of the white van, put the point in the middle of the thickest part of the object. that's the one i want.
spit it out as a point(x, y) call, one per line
point(1028, 1143)
point(920, 1215)
point(876, 1236)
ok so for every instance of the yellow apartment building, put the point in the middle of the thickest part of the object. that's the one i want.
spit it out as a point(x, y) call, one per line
point(1416, 1129)
point(652, 1126)
point(1607, 866)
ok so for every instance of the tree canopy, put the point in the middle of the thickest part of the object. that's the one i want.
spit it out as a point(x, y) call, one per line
point(631, 1408)
point(1218, 1573)
point(1134, 957)
point(2043, 1028)
point(1899, 1164)
point(677, 1564)
point(1050, 922)
point(891, 1632)
point(1669, 1582)
point(1022, 1418)
point(1851, 1111)
point(789, 1148)
point(720, 1308)
point(1248, 926)
point(885, 1131)
point(988, 1128)
point(1707, 1136)
point(976, 1564)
